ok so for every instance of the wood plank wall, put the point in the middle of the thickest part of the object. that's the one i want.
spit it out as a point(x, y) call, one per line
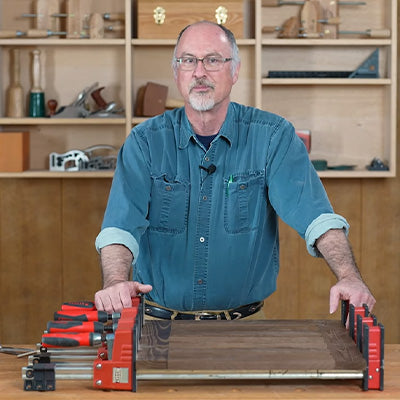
point(47, 255)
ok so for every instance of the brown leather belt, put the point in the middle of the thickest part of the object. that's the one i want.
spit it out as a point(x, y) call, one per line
point(237, 313)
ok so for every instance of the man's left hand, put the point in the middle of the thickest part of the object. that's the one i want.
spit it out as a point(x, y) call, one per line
point(351, 288)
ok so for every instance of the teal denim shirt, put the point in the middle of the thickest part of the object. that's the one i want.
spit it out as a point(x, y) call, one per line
point(209, 241)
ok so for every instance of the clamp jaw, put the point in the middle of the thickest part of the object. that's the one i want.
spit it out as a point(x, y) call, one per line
point(112, 364)
point(368, 335)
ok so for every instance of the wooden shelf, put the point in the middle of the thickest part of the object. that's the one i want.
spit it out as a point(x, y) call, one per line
point(62, 121)
point(110, 174)
point(57, 174)
point(327, 42)
point(356, 174)
point(62, 42)
point(339, 112)
point(326, 81)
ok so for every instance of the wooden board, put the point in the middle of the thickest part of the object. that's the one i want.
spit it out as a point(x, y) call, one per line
point(290, 345)
point(179, 13)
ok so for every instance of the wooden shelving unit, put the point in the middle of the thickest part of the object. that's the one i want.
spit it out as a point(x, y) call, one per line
point(351, 120)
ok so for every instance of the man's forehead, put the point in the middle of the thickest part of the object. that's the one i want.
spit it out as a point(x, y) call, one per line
point(205, 37)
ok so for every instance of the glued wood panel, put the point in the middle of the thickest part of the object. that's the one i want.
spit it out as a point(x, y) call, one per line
point(290, 345)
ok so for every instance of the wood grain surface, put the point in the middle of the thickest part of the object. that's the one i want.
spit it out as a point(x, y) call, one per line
point(292, 345)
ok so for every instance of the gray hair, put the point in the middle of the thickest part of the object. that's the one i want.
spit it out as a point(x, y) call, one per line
point(229, 35)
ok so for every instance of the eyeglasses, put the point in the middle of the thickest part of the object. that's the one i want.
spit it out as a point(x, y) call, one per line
point(210, 63)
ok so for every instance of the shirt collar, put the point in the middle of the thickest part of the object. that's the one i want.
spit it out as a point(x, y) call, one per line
point(228, 131)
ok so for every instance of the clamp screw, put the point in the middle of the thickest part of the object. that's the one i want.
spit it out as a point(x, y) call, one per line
point(99, 382)
point(98, 366)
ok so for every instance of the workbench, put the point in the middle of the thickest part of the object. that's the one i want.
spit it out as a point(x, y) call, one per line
point(11, 386)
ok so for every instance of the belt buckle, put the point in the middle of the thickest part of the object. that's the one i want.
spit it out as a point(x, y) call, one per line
point(197, 316)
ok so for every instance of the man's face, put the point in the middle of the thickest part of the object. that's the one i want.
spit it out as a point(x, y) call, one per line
point(200, 88)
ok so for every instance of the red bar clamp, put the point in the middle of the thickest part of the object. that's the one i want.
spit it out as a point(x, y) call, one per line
point(369, 338)
point(115, 366)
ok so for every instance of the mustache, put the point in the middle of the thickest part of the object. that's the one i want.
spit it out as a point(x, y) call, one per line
point(201, 82)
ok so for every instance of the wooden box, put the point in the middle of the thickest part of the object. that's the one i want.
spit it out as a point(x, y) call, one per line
point(164, 19)
point(14, 151)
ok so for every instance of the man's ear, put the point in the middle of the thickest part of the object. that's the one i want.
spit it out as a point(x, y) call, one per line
point(235, 76)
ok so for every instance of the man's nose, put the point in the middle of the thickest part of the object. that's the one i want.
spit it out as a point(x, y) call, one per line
point(199, 69)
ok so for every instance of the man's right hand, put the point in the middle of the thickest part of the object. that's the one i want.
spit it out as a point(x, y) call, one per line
point(118, 296)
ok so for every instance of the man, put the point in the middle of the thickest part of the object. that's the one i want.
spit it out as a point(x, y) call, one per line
point(195, 197)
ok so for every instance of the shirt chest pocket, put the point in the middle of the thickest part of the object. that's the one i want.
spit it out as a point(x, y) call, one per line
point(168, 210)
point(244, 202)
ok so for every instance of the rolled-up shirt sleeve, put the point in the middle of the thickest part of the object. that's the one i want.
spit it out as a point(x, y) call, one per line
point(109, 236)
point(321, 225)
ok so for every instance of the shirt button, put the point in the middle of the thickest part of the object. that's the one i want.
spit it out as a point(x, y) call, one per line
point(204, 197)
point(168, 188)
point(202, 240)
point(206, 158)
point(200, 281)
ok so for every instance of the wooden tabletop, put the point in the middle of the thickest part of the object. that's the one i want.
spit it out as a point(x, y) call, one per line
point(11, 386)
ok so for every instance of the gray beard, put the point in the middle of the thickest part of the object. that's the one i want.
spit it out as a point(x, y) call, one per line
point(201, 103)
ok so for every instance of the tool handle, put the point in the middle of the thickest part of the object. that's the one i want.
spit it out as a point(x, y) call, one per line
point(114, 16)
point(7, 34)
point(77, 315)
point(52, 104)
point(15, 67)
point(36, 88)
point(71, 339)
point(74, 326)
point(270, 29)
point(78, 305)
point(378, 33)
point(96, 95)
point(114, 28)
point(15, 95)
point(37, 33)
